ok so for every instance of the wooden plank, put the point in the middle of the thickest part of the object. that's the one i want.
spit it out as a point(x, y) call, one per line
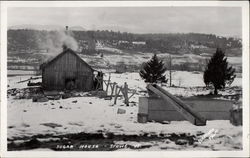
point(132, 94)
point(104, 81)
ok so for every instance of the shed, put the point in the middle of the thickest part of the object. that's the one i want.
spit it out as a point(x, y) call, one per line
point(67, 71)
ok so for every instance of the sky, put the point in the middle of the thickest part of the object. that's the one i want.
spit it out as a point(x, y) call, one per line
point(223, 21)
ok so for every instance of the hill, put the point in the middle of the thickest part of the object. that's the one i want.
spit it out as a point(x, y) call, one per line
point(32, 47)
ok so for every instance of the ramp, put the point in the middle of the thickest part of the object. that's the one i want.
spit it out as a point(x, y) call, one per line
point(185, 110)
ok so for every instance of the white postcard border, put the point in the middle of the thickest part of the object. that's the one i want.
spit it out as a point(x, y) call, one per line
point(245, 80)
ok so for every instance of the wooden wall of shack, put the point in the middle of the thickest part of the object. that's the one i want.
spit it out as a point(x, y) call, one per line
point(67, 66)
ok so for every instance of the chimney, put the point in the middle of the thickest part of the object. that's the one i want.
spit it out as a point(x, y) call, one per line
point(64, 47)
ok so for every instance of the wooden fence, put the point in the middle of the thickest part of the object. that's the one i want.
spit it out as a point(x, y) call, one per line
point(118, 91)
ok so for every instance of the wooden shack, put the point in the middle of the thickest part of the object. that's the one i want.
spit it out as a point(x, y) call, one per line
point(67, 71)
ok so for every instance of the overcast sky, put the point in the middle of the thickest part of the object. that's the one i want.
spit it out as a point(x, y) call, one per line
point(225, 21)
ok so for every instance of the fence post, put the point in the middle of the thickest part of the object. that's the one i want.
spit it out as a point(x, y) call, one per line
point(108, 85)
point(112, 88)
point(126, 93)
point(116, 94)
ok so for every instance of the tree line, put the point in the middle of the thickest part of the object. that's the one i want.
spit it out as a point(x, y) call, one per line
point(29, 39)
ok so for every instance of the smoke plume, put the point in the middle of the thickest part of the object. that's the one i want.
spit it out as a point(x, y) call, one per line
point(53, 41)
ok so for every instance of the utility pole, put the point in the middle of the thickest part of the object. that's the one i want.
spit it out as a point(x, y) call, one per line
point(170, 71)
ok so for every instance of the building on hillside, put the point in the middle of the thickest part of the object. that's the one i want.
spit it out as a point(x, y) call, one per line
point(67, 71)
point(139, 43)
point(120, 67)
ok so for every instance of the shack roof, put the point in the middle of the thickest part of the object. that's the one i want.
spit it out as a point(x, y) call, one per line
point(68, 50)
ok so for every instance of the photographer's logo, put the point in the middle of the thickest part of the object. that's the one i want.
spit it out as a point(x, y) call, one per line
point(210, 135)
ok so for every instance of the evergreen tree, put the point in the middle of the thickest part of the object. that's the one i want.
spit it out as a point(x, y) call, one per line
point(153, 70)
point(217, 72)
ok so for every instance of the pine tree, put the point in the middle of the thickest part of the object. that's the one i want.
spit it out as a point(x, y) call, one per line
point(217, 72)
point(153, 70)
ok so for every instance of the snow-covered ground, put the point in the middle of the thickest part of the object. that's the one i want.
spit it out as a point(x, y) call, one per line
point(188, 83)
point(92, 115)
point(20, 72)
point(17, 81)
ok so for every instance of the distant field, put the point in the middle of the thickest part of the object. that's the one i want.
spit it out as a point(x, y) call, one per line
point(108, 57)
point(21, 72)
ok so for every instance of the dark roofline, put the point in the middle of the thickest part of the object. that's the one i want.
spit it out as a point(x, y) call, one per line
point(68, 50)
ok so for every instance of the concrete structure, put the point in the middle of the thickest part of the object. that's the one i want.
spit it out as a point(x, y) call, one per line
point(236, 116)
point(185, 110)
point(67, 71)
point(158, 109)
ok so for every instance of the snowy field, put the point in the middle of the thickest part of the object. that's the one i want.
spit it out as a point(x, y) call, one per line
point(137, 58)
point(95, 115)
